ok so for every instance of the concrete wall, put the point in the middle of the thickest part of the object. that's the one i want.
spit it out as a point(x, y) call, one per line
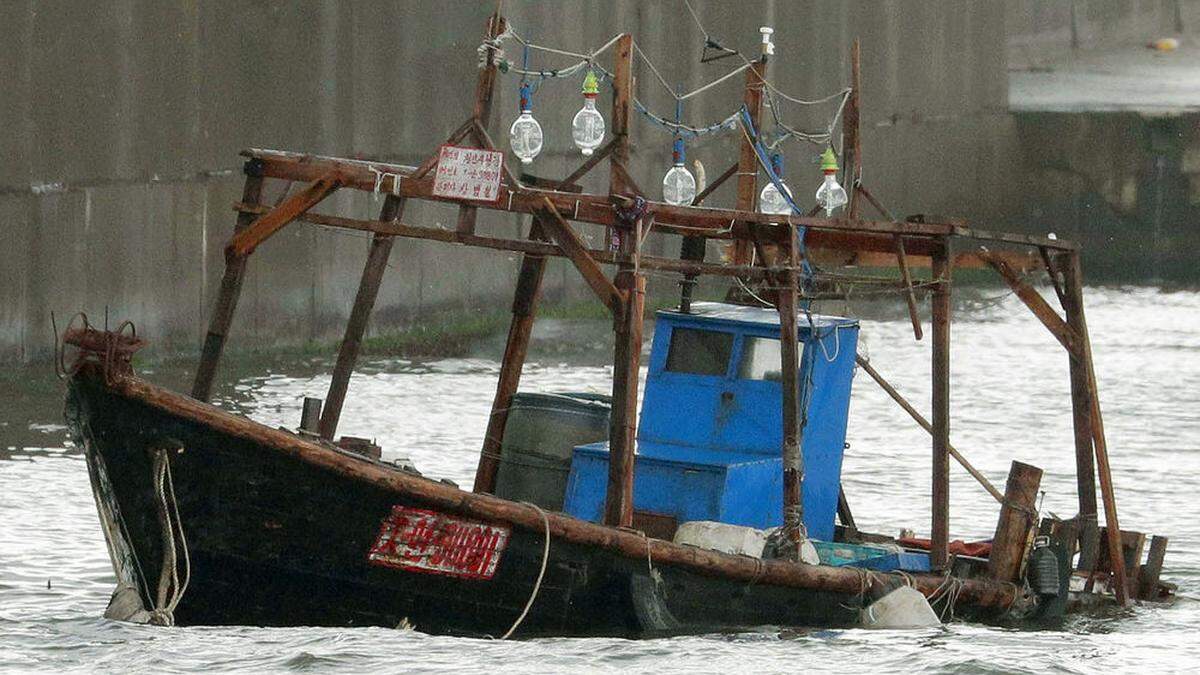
point(1039, 30)
point(123, 118)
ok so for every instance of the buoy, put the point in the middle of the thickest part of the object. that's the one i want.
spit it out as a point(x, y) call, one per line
point(904, 607)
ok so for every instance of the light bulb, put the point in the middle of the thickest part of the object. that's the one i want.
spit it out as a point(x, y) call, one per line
point(587, 129)
point(770, 201)
point(679, 185)
point(830, 195)
point(525, 135)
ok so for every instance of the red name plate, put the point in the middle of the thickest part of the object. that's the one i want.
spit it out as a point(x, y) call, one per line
point(435, 543)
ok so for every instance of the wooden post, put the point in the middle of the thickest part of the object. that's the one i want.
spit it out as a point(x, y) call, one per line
point(618, 505)
point(310, 415)
point(747, 176)
point(360, 315)
point(485, 88)
point(227, 298)
point(939, 554)
point(529, 285)
point(852, 144)
point(1075, 317)
point(1081, 406)
point(793, 457)
point(1152, 569)
point(1017, 518)
point(622, 96)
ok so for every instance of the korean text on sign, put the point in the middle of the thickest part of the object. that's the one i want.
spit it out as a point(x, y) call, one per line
point(468, 173)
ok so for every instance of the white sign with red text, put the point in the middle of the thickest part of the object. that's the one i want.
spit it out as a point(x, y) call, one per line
point(468, 173)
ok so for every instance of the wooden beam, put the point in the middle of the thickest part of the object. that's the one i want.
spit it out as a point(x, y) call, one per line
point(1148, 582)
point(560, 231)
point(851, 138)
point(939, 553)
point(793, 434)
point(1018, 516)
point(1074, 291)
point(1081, 415)
point(227, 298)
point(1034, 301)
point(360, 316)
point(529, 285)
point(909, 296)
point(481, 114)
point(618, 502)
point(747, 171)
point(924, 424)
point(622, 84)
point(520, 245)
point(245, 241)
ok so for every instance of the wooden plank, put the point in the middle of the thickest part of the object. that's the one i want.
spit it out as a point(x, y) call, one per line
point(360, 315)
point(747, 171)
point(939, 554)
point(560, 231)
point(1074, 291)
point(1034, 301)
point(618, 502)
point(924, 424)
point(529, 285)
point(227, 299)
point(244, 242)
point(1152, 570)
point(1018, 517)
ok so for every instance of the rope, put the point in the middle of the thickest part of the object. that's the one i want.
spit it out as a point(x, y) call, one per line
point(170, 590)
point(537, 586)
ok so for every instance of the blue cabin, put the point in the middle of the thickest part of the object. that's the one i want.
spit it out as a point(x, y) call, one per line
point(710, 435)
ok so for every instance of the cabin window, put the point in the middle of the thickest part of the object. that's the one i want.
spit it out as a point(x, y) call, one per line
point(699, 352)
point(760, 359)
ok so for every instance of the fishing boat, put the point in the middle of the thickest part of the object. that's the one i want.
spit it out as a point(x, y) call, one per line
point(717, 506)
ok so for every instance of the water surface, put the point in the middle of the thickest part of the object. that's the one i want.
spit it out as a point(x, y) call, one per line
point(1010, 397)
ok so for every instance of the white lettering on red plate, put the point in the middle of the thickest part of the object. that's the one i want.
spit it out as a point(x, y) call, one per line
point(427, 541)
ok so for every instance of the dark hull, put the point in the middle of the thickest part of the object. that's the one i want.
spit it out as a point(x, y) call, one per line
point(277, 539)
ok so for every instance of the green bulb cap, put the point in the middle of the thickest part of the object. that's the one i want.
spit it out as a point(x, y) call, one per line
point(829, 160)
point(590, 85)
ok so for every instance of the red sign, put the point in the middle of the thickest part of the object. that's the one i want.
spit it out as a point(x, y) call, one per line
point(468, 173)
point(435, 543)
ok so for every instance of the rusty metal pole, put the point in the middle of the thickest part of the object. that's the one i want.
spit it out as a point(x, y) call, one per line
point(939, 554)
point(231, 290)
point(529, 284)
point(1075, 316)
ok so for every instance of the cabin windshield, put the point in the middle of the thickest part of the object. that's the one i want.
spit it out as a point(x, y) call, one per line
point(760, 359)
point(699, 352)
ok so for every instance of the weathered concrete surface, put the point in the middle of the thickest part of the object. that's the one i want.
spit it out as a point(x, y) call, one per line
point(123, 119)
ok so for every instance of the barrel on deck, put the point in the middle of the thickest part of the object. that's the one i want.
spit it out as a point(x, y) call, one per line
point(541, 432)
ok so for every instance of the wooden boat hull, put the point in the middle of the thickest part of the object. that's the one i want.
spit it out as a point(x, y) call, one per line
point(280, 532)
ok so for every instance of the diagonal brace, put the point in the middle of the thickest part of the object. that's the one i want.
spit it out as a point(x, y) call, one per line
point(244, 242)
point(1034, 301)
point(561, 233)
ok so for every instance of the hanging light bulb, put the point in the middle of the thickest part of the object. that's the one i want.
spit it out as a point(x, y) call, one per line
point(679, 185)
point(830, 195)
point(588, 126)
point(525, 135)
point(770, 201)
